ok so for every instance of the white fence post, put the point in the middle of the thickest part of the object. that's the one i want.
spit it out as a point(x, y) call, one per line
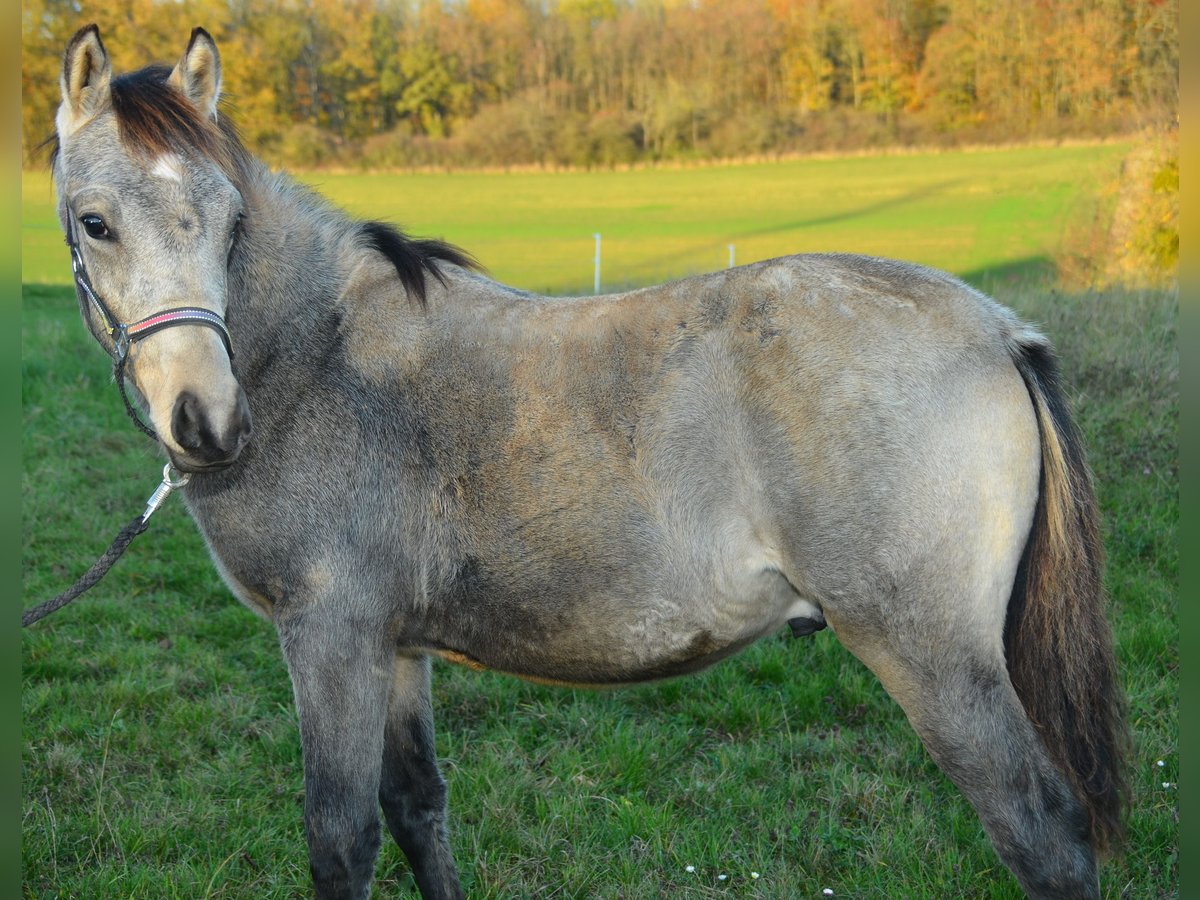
point(731, 256)
point(596, 280)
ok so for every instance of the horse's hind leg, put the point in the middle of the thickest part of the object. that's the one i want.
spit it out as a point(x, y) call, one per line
point(340, 674)
point(411, 790)
point(955, 690)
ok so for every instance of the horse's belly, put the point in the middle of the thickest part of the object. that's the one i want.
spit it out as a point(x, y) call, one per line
point(612, 640)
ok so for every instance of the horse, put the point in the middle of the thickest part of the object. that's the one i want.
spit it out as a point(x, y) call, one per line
point(392, 457)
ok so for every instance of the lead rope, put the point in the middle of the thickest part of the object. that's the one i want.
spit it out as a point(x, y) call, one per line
point(101, 566)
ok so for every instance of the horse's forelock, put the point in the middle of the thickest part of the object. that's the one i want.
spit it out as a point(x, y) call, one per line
point(154, 118)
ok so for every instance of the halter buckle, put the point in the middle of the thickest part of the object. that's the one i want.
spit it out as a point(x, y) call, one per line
point(120, 339)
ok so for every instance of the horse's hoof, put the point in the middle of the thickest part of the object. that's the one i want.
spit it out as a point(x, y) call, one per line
point(803, 625)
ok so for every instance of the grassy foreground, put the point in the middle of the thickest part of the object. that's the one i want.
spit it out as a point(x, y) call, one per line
point(162, 757)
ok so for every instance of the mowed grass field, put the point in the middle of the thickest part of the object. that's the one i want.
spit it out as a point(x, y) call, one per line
point(968, 212)
point(161, 752)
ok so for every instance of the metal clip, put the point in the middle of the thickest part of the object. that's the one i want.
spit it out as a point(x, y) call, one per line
point(164, 490)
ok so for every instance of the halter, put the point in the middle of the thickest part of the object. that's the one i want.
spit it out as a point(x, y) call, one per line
point(124, 335)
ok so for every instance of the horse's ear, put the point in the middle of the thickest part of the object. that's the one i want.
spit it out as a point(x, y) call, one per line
point(86, 80)
point(198, 73)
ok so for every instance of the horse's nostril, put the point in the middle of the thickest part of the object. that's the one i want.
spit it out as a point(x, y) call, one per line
point(207, 441)
point(186, 421)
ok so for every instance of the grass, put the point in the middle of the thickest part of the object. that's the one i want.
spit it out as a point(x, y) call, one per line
point(162, 758)
point(967, 212)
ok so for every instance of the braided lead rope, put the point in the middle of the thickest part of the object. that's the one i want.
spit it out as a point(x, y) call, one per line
point(101, 566)
point(98, 570)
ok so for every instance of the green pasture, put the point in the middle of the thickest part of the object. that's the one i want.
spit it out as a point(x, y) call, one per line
point(985, 211)
point(161, 755)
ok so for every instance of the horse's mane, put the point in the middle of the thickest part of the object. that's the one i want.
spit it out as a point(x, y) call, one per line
point(413, 257)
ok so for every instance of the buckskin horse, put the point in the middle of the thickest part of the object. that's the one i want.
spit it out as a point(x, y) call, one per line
point(393, 457)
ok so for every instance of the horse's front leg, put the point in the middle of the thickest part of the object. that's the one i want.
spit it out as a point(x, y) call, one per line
point(411, 790)
point(341, 670)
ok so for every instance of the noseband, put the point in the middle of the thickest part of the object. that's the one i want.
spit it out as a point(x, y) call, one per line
point(123, 335)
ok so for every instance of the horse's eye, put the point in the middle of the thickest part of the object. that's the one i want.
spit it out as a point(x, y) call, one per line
point(94, 225)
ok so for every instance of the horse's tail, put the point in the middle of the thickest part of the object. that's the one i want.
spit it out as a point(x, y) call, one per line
point(1057, 639)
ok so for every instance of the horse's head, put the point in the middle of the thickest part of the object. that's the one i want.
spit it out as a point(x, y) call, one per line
point(145, 178)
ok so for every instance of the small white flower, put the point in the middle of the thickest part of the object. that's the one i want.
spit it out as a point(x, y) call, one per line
point(689, 868)
point(1166, 784)
point(828, 892)
point(1160, 763)
point(753, 874)
point(722, 877)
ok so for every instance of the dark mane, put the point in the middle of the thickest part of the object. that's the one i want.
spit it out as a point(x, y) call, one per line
point(414, 257)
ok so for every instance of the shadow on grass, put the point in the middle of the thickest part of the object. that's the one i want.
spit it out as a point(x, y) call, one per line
point(1030, 271)
point(714, 247)
point(848, 215)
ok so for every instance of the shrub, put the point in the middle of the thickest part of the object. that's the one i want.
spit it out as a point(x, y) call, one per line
point(307, 146)
point(1133, 237)
point(514, 132)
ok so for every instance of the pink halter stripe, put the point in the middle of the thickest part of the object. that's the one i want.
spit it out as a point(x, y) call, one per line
point(182, 315)
point(174, 316)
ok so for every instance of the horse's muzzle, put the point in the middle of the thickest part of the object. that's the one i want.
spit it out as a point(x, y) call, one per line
point(208, 441)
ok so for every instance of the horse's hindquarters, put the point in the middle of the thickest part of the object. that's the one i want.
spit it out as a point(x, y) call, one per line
point(926, 612)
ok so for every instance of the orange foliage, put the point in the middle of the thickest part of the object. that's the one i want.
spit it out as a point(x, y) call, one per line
point(595, 80)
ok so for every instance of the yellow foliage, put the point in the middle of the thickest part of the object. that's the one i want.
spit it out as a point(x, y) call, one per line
point(1145, 228)
point(1133, 239)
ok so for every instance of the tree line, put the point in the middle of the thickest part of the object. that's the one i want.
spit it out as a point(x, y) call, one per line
point(396, 83)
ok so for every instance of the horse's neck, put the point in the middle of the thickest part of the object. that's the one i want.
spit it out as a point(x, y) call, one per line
point(289, 271)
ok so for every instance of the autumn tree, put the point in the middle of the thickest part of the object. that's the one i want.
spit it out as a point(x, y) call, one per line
point(603, 81)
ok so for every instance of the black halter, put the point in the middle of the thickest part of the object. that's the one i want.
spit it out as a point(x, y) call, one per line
point(123, 335)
